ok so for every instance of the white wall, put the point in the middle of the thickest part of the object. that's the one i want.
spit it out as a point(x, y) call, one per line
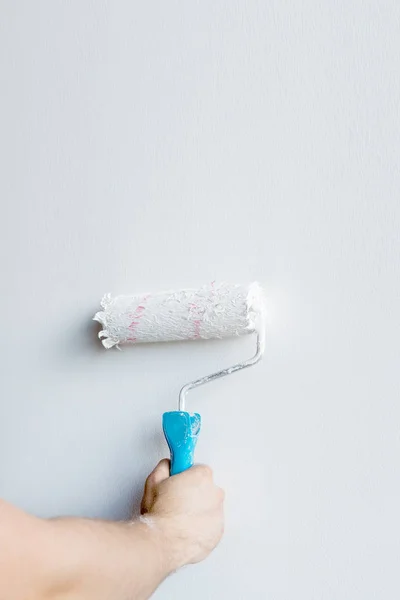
point(162, 144)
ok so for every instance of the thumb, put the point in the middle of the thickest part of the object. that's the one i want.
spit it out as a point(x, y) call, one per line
point(160, 473)
point(157, 476)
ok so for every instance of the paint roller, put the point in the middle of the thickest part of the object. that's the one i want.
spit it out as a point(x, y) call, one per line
point(210, 312)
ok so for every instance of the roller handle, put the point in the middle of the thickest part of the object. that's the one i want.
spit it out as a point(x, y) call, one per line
point(181, 430)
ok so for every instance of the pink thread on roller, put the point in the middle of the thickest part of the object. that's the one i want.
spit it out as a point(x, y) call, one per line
point(197, 321)
point(135, 320)
point(196, 329)
point(200, 313)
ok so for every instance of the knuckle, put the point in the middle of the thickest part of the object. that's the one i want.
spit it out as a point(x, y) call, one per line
point(206, 471)
point(151, 478)
point(221, 494)
point(201, 472)
point(164, 464)
point(160, 473)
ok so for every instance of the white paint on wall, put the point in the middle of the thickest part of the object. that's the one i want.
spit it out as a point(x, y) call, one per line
point(158, 145)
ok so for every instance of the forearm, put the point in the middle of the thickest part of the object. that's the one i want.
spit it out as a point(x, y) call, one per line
point(108, 560)
point(79, 559)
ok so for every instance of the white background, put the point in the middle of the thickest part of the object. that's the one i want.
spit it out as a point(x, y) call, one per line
point(153, 145)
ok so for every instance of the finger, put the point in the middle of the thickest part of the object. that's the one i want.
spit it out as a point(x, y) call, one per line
point(157, 476)
point(201, 471)
point(160, 473)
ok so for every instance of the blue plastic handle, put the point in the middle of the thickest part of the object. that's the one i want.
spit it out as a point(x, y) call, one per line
point(181, 430)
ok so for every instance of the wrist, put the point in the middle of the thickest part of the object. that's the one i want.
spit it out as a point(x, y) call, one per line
point(155, 544)
point(169, 541)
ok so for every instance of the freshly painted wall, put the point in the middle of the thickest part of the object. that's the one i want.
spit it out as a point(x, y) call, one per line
point(153, 145)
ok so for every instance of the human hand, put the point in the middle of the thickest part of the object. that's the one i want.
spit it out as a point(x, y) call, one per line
point(186, 509)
